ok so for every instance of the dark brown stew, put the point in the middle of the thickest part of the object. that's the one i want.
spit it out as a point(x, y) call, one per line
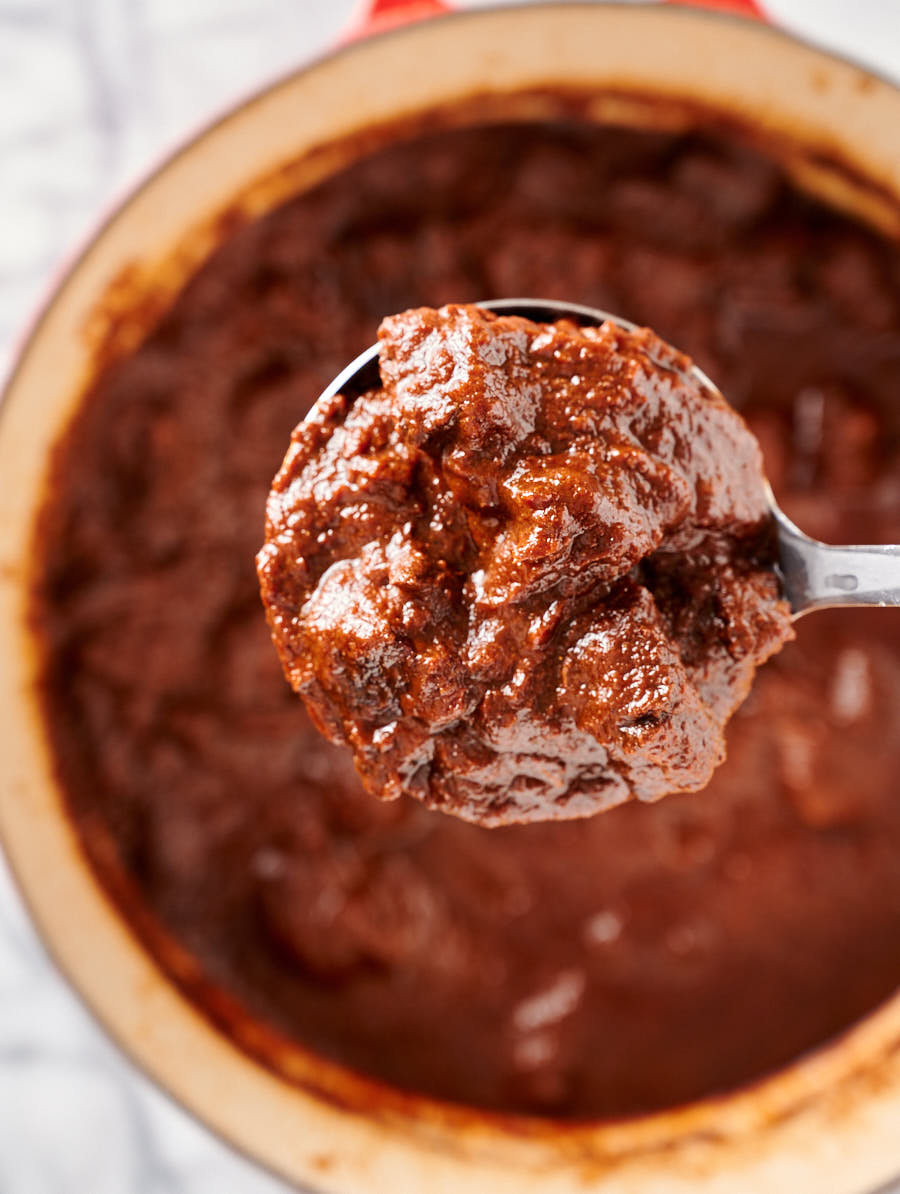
point(632, 961)
point(531, 575)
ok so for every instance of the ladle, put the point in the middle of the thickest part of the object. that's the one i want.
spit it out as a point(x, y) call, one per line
point(813, 575)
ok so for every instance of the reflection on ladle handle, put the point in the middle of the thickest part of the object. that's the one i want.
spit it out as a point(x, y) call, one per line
point(816, 575)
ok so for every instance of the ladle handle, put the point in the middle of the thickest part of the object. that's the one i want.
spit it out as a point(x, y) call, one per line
point(817, 575)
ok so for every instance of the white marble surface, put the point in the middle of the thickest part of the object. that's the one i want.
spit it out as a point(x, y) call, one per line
point(90, 92)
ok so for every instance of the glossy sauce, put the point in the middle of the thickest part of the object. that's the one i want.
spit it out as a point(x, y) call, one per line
point(528, 578)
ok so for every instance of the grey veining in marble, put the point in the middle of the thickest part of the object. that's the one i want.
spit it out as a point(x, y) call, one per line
point(91, 91)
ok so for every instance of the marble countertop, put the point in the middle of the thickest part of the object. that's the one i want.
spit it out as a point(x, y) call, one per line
point(90, 92)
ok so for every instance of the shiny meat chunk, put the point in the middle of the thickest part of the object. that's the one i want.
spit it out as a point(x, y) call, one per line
point(528, 578)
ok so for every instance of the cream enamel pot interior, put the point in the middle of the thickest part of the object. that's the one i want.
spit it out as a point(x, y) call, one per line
point(831, 1122)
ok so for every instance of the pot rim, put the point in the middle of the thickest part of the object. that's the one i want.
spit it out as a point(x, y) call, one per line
point(56, 296)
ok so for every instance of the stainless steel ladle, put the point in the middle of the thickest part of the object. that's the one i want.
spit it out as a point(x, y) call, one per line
point(813, 575)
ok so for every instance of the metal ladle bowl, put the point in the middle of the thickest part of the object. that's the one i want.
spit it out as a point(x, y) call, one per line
point(813, 575)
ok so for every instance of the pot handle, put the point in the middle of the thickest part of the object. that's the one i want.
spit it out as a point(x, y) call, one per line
point(743, 8)
point(374, 16)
